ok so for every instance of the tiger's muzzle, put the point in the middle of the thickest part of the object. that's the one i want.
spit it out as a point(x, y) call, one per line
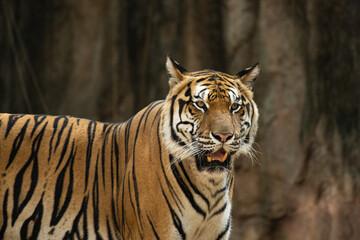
point(216, 161)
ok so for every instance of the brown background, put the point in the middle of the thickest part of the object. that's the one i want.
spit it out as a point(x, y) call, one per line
point(105, 60)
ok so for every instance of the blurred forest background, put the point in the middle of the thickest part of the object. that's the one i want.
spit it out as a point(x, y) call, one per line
point(105, 60)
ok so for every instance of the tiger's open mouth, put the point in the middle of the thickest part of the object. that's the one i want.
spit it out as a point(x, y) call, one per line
point(216, 161)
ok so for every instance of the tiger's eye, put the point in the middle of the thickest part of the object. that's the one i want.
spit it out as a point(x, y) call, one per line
point(235, 106)
point(200, 104)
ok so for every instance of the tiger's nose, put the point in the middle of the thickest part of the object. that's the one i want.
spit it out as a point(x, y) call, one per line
point(222, 137)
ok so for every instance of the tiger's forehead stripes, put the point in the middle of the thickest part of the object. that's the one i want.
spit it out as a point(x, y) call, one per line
point(214, 85)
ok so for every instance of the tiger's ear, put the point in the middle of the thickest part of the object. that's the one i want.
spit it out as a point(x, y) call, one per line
point(175, 71)
point(249, 75)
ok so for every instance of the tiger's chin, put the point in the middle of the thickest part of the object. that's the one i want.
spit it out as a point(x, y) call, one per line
point(218, 161)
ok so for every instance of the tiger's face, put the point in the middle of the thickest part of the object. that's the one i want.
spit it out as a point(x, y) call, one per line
point(212, 116)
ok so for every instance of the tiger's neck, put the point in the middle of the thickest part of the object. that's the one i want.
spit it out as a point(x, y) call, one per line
point(203, 198)
point(204, 202)
point(209, 184)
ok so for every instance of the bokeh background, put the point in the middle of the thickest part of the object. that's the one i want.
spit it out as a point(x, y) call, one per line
point(105, 60)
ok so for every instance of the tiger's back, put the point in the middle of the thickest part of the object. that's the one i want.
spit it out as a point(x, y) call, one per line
point(69, 178)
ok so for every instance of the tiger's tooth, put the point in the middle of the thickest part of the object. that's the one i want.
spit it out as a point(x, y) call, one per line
point(209, 159)
point(224, 157)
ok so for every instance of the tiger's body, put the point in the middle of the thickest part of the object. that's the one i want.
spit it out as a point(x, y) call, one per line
point(69, 178)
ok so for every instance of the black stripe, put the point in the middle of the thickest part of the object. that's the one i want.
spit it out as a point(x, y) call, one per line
point(130, 196)
point(58, 212)
point(147, 112)
point(175, 218)
point(217, 202)
point(17, 144)
point(55, 124)
point(153, 228)
point(151, 107)
point(222, 209)
point(206, 84)
point(35, 221)
point(252, 111)
point(109, 230)
point(11, 122)
point(103, 157)
point(202, 79)
point(188, 91)
point(123, 205)
point(220, 191)
point(172, 191)
point(4, 213)
point(173, 134)
point(134, 173)
point(91, 136)
point(105, 129)
point(247, 138)
point(75, 226)
point(185, 189)
point(156, 116)
point(65, 123)
point(196, 190)
point(38, 120)
point(227, 227)
point(127, 137)
point(95, 195)
point(112, 169)
point(230, 85)
point(115, 152)
point(65, 147)
point(247, 106)
point(182, 103)
point(116, 148)
point(232, 182)
point(18, 207)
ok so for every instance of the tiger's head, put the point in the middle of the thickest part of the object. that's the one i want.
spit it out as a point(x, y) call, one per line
point(209, 117)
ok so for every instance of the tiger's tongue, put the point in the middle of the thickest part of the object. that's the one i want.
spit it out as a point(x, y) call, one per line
point(219, 155)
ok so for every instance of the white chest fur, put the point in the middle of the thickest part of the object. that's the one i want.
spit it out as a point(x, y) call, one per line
point(206, 207)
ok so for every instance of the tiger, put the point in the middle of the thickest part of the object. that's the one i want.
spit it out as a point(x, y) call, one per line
point(166, 173)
